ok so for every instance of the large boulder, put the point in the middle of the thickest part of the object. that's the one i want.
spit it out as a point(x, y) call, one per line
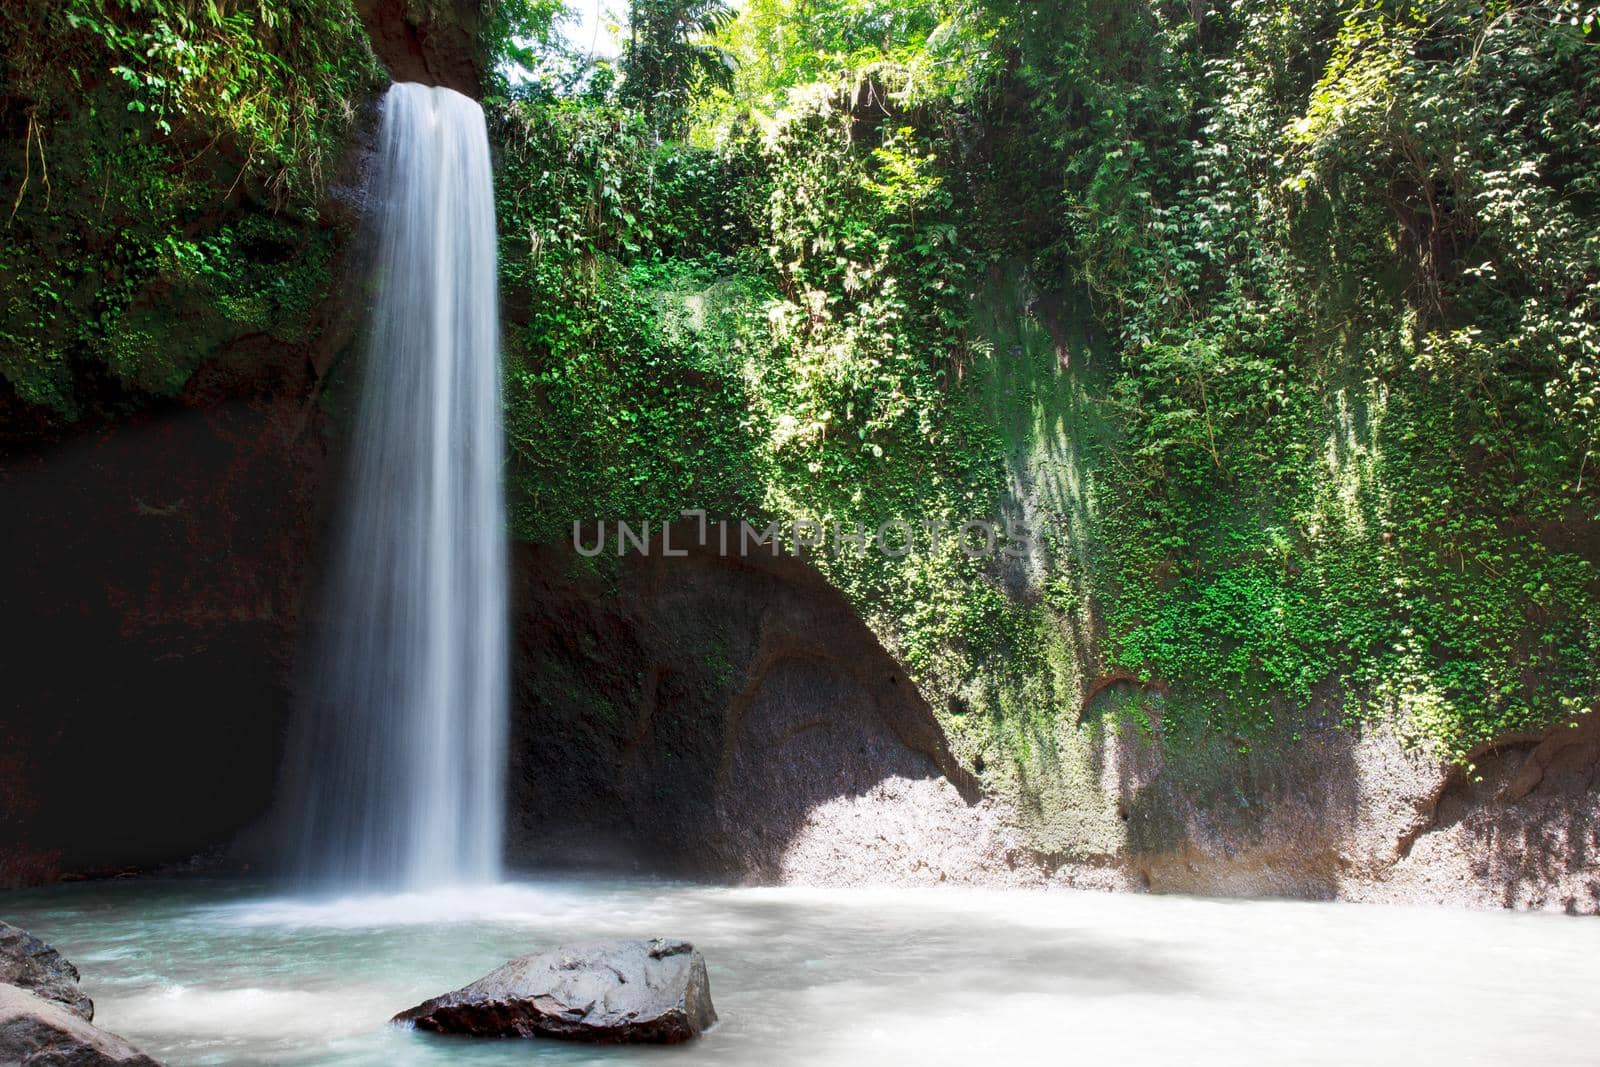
point(608, 992)
point(29, 963)
point(35, 1032)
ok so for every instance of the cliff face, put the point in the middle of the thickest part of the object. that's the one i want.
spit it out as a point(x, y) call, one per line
point(162, 508)
point(688, 713)
point(154, 570)
point(653, 729)
point(438, 43)
point(732, 718)
point(1305, 500)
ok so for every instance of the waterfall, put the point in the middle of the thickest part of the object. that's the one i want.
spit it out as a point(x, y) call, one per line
point(402, 764)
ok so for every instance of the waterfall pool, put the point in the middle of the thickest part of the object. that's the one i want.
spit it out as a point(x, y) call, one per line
point(203, 972)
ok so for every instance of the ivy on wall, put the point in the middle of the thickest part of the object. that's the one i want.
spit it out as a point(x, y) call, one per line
point(162, 164)
point(1276, 322)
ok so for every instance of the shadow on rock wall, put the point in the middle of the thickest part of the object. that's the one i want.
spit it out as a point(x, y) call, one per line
point(1523, 826)
point(151, 578)
point(1323, 812)
point(724, 717)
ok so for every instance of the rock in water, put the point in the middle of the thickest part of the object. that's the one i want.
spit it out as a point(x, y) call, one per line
point(607, 992)
point(40, 1033)
point(29, 963)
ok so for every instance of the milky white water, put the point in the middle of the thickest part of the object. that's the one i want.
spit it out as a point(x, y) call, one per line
point(400, 763)
point(199, 973)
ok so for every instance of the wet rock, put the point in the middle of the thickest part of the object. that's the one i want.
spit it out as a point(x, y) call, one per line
point(608, 992)
point(31, 964)
point(435, 43)
point(35, 1032)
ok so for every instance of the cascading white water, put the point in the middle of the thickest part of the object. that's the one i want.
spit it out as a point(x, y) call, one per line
point(405, 743)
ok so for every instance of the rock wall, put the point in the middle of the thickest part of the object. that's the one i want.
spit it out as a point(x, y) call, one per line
point(155, 569)
point(689, 714)
point(734, 719)
point(157, 552)
point(1354, 814)
point(435, 43)
point(155, 556)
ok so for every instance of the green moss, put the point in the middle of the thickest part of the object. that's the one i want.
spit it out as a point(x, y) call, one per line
point(167, 163)
point(1276, 459)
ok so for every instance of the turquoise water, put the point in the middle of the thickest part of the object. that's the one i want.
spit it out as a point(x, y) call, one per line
point(221, 973)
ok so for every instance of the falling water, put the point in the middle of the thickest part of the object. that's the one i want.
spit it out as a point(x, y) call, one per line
point(404, 759)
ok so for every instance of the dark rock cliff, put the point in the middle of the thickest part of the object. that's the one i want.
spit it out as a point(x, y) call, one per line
point(437, 43)
point(152, 575)
point(687, 714)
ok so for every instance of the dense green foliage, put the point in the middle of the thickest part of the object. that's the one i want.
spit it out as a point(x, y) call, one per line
point(1277, 324)
point(1355, 305)
point(163, 158)
point(668, 61)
